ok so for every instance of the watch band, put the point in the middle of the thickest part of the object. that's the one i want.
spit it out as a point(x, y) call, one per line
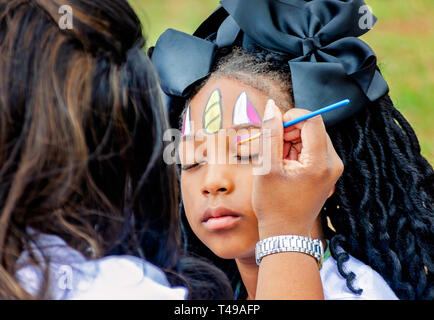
point(289, 243)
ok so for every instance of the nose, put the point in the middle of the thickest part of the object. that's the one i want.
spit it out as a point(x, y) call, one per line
point(217, 181)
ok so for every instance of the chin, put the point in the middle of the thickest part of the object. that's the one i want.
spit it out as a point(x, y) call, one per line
point(226, 255)
point(231, 244)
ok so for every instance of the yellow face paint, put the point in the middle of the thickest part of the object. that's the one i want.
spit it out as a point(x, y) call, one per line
point(213, 114)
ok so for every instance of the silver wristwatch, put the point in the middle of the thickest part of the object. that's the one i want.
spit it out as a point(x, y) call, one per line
point(289, 243)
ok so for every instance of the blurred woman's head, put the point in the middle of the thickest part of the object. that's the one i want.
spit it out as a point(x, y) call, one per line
point(81, 127)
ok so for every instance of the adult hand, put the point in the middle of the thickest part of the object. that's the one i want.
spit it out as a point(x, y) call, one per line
point(304, 171)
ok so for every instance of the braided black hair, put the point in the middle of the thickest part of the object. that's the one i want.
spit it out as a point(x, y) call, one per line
point(382, 210)
point(383, 205)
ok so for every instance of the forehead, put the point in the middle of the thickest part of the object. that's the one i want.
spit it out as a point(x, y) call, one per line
point(230, 90)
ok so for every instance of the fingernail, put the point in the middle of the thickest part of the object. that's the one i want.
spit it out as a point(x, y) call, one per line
point(269, 110)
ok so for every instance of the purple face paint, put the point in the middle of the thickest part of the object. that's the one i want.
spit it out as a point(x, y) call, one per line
point(243, 137)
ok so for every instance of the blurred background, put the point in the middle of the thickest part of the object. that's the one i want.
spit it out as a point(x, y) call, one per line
point(403, 39)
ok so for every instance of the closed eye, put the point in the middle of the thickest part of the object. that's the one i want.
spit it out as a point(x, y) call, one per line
point(191, 166)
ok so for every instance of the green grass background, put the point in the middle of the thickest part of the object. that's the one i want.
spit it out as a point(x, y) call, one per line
point(403, 39)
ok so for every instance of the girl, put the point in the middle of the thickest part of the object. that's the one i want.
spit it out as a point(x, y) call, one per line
point(81, 161)
point(377, 223)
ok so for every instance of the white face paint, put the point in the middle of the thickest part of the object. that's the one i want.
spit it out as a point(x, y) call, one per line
point(245, 112)
point(186, 130)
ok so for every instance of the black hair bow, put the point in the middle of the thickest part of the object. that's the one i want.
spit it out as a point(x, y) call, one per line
point(328, 62)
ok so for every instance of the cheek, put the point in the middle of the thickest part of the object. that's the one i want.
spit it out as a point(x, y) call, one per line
point(187, 196)
point(245, 179)
point(191, 202)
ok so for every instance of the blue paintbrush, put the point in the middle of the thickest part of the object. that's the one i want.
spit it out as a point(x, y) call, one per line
point(305, 117)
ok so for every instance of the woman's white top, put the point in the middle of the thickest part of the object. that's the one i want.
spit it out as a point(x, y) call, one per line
point(72, 276)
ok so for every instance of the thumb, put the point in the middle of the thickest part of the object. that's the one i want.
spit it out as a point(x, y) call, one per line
point(272, 135)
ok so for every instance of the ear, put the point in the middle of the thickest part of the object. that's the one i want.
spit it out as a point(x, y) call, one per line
point(332, 191)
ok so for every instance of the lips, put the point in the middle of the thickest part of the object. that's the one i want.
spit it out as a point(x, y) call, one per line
point(219, 218)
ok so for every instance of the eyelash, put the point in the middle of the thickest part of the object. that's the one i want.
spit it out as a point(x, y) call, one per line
point(249, 157)
point(191, 166)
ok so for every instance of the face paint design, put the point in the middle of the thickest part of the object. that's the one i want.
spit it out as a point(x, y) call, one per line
point(243, 138)
point(247, 137)
point(245, 112)
point(186, 129)
point(213, 113)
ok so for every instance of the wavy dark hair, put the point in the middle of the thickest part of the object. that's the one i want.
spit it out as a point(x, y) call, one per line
point(382, 210)
point(81, 142)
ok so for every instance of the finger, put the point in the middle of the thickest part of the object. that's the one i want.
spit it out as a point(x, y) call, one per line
point(313, 136)
point(332, 191)
point(335, 160)
point(272, 134)
point(292, 114)
point(314, 140)
point(292, 135)
point(297, 146)
point(286, 148)
point(293, 154)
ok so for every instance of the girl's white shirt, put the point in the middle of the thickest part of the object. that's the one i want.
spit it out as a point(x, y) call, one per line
point(72, 276)
point(371, 282)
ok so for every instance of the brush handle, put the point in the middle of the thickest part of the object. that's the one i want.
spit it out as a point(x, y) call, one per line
point(317, 112)
point(305, 117)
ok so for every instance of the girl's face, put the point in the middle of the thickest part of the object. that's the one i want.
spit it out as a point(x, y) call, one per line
point(216, 187)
